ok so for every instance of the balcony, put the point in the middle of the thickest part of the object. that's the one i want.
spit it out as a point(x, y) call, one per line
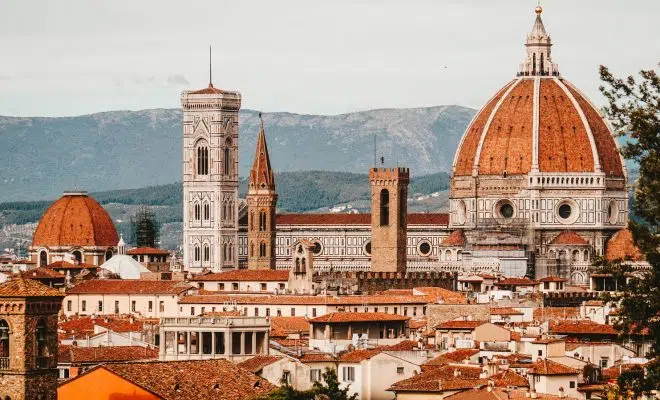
point(4, 363)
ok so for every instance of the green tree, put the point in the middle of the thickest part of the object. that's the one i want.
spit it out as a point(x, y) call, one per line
point(328, 389)
point(634, 110)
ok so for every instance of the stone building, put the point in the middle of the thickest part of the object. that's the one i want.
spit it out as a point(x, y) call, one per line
point(261, 200)
point(210, 178)
point(74, 228)
point(28, 340)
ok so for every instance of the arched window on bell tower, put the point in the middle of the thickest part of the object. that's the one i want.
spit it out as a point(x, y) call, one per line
point(262, 249)
point(384, 207)
point(43, 258)
point(533, 63)
point(4, 345)
point(202, 158)
point(262, 221)
point(43, 355)
point(226, 159)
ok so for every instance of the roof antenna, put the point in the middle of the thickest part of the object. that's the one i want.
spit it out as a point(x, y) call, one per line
point(375, 157)
point(262, 120)
point(210, 76)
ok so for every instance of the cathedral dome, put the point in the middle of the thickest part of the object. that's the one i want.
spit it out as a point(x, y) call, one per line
point(75, 219)
point(538, 123)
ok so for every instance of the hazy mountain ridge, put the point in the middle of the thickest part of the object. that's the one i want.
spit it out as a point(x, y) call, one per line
point(41, 157)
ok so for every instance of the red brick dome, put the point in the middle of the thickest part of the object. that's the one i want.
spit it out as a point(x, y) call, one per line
point(75, 219)
point(541, 123)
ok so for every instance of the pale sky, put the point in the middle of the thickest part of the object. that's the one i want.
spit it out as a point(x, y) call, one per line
point(72, 57)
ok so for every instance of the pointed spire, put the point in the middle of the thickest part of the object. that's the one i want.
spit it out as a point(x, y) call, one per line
point(261, 174)
point(121, 246)
point(210, 69)
point(538, 60)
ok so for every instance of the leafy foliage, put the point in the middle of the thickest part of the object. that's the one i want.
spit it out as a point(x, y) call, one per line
point(634, 109)
point(329, 388)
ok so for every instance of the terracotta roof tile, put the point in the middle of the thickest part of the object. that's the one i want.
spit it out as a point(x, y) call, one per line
point(581, 327)
point(340, 317)
point(547, 367)
point(257, 363)
point(509, 378)
point(75, 220)
point(244, 275)
point(129, 286)
point(41, 273)
point(147, 251)
point(451, 357)
point(469, 325)
point(283, 326)
point(504, 311)
point(516, 282)
point(442, 378)
point(621, 246)
point(455, 239)
point(261, 174)
point(543, 314)
point(88, 355)
point(570, 238)
point(553, 279)
point(310, 357)
point(68, 265)
point(498, 393)
point(20, 287)
point(193, 380)
point(208, 90)
point(85, 325)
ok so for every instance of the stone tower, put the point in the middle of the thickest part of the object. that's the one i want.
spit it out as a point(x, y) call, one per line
point(261, 200)
point(210, 178)
point(389, 210)
point(28, 340)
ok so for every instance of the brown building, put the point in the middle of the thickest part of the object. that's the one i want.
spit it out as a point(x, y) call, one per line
point(28, 340)
point(155, 260)
point(389, 204)
point(75, 228)
point(261, 200)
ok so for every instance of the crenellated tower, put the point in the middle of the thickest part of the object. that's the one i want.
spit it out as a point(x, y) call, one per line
point(262, 202)
point(210, 178)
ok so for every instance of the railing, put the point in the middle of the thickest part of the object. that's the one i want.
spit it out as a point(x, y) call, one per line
point(4, 363)
point(43, 362)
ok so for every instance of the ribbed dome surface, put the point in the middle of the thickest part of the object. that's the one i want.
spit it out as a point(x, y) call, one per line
point(75, 219)
point(538, 123)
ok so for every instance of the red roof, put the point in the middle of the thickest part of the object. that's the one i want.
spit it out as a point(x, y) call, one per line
point(282, 326)
point(87, 355)
point(581, 327)
point(341, 317)
point(509, 378)
point(257, 363)
point(469, 325)
point(516, 282)
point(68, 265)
point(85, 325)
point(552, 279)
point(147, 251)
point(621, 246)
point(455, 239)
point(504, 311)
point(261, 174)
point(451, 357)
point(27, 288)
point(442, 378)
point(569, 238)
point(547, 367)
point(440, 219)
point(208, 90)
point(245, 275)
point(75, 219)
point(128, 286)
point(41, 273)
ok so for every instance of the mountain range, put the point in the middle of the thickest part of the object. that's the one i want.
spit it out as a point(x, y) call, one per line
point(42, 157)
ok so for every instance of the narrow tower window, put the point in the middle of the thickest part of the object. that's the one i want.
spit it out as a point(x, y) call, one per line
point(203, 160)
point(226, 159)
point(262, 221)
point(262, 249)
point(43, 258)
point(207, 211)
point(207, 252)
point(384, 207)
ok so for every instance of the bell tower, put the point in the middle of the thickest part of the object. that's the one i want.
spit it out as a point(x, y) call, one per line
point(262, 201)
point(28, 340)
point(389, 213)
point(210, 178)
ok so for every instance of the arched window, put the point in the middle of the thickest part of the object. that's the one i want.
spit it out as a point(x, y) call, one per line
point(197, 251)
point(207, 252)
point(230, 250)
point(262, 221)
point(43, 356)
point(4, 344)
point(534, 64)
point(43, 258)
point(262, 249)
point(207, 211)
point(384, 207)
point(542, 69)
point(77, 255)
point(304, 266)
point(252, 249)
point(108, 255)
point(198, 212)
point(224, 252)
point(586, 255)
point(297, 265)
point(226, 167)
point(576, 255)
point(252, 221)
point(202, 160)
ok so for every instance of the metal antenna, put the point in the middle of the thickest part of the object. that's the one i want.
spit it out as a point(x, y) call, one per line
point(210, 75)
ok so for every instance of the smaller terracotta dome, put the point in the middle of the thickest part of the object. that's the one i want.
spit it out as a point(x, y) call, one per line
point(75, 219)
point(622, 247)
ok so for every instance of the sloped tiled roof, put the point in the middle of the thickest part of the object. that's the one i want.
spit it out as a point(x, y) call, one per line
point(569, 238)
point(282, 326)
point(622, 246)
point(581, 327)
point(128, 286)
point(310, 357)
point(504, 311)
point(245, 275)
point(455, 239)
point(509, 378)
point(86, 355)
point(339, 317)
point(257, 363)
point(21, 287)
point(547, 367)
point(192, 380)
point(500, 393)
point(460, 324)
point(516, 282)
point(451, 357)
point(543, 314)
point(41, 273)
point(85, 325)
point(147, 251)
point(443, 378)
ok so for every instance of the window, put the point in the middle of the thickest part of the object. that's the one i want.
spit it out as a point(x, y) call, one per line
point(537, 378)
point(268, 312)
point(424, 248)
point(207, 252)
point(69, 305)
point(313, 312)
point(198, 212)
point(571, 384)
point(133, 306)
point(281, 286)
point(4, 344)
point(384, 207)
point(279, 312)
point(116, 306)
point(83, 305)
point(546, 285)
point(540, 353)
point(262, 221)
point(161, 306)
point(396, 310)
point(286, 377)
point(197, 252)
point(43, 258)
point(399, 370)
point(151, 306)
point(234, 286)
point(221, 286)
point(207, 211)
point(348, 374)
point(256, 311)
point(315, 375)
point(405, 311)
point(262, 249)
point(604, 362)
point(293, 312)
point(202, 160)
point(565, 211)
point(192, 311)
point(226, 165)
point(100, 307)
point(263, 286)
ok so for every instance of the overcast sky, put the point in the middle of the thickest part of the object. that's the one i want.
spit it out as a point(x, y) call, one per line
point(71, 57)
